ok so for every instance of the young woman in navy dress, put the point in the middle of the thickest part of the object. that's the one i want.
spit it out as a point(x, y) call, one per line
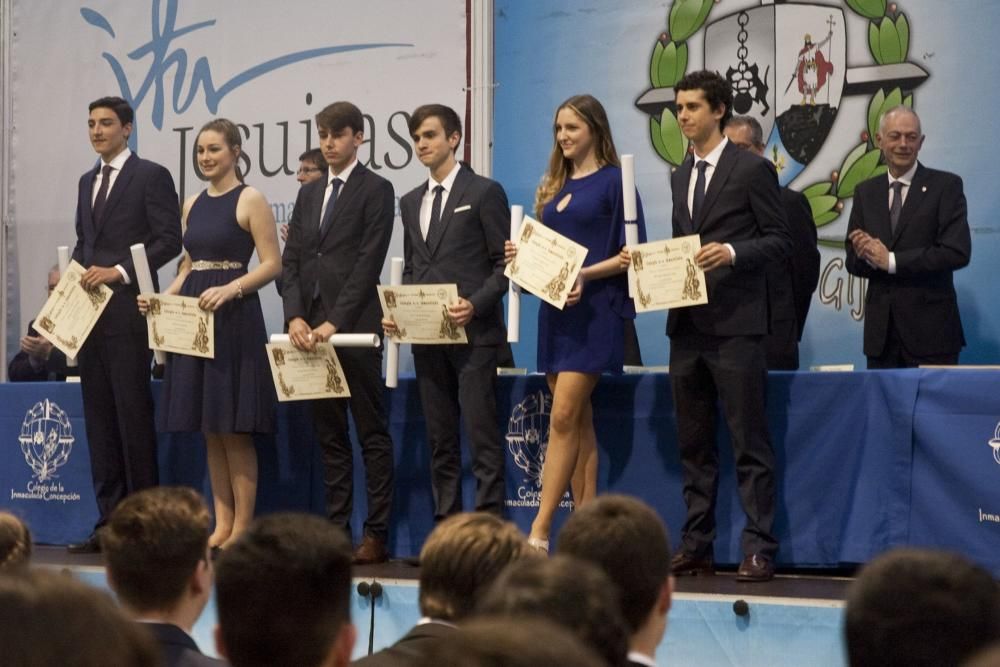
point(230, 397)
point(580, 197)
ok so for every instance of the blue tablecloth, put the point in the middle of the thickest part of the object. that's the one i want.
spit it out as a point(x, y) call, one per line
point(866, 461)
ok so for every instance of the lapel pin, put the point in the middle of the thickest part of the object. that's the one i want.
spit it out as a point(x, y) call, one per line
point(923, 189)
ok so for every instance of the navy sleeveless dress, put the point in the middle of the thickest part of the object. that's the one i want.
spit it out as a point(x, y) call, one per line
point(234, 392)
point(589, 336)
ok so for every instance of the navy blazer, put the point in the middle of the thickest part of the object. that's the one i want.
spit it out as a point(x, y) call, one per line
point(412, 647)
point(346, 257)
point(931, 241)
point(743, 208)
point(142, 207)
point(468, 250)
point(178, 649)
point(790, 285)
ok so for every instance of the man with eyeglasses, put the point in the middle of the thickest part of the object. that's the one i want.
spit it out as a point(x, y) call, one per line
point(39, 360)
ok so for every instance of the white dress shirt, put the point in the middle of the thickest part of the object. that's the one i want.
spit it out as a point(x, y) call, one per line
point(116, 168)
point(427, 203)
point(343, 176)
point(713, 160)
point(906, 179)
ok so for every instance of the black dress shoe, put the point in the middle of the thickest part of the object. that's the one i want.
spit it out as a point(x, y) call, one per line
point(683, 564)
point(755, 567)
point(91, 545)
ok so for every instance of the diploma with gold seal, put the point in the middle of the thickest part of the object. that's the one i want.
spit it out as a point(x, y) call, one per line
point(421, 313)
point(547, 263)
point(71, 311)
point(176, 324)
point(305, 376)
point(663, 274)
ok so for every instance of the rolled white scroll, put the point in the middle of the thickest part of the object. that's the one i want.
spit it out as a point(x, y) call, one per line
point(145, 279)
point(513, 291)
point(62, 258)
point(340, 340)
point(392, 351)
point(628, 203)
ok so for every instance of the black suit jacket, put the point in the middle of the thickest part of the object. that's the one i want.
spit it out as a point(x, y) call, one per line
point(468, 250)
point(178, 649)
point(743, 208)
point(790, 285)
point(346, 258)
point(54, 369)
point(141, 208)
point(414, 645)
point(931, 241)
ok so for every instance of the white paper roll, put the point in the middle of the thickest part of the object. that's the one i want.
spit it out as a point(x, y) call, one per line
point(513, 291)
point(339, 340)
point(628, 188)
point(392, 351)
point(145, 279)
point(631, 240)
point(62, 259)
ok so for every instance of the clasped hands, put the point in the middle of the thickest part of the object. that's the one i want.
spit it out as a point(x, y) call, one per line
point(870, 249)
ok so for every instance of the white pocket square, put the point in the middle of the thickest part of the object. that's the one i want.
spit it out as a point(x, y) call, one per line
point(462, 208)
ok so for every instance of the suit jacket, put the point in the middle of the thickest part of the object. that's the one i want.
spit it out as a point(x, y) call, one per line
point(467, 251)
point(414, 645)
point(54, 369)
point(790, 285)
point(346, 258)
point(142, 208)
point(177, 647)
point(743, 208)
point(931, 241)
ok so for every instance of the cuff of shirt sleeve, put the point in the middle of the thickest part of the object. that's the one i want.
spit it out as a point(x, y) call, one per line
point(892, 262)
point(732, 254)
point(124, 274)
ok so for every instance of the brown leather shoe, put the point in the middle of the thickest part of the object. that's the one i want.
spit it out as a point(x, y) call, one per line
point(683, 564)
point(755, 567)
point(370, 552)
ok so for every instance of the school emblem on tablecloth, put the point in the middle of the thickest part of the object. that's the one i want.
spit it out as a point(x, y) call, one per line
point(994, 443)
point(46, 439)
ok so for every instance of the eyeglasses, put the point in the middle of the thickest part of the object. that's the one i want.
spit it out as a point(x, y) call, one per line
point(307, 170)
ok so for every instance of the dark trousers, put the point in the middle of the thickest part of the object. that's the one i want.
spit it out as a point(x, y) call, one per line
point(895, 354)
point(459, 380)
point(118, 409)
point(363, 372)
point(703, 370)
point(781, 346)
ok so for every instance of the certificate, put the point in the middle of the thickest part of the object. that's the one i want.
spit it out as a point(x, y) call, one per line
point(176, 324)
point(663, 274)
point(71, 311)
point(547, 263)
point(304, 376)
point(421, 313)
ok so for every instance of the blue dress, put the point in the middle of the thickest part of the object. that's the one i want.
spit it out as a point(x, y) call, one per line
point(588, 337)
point(234, 392)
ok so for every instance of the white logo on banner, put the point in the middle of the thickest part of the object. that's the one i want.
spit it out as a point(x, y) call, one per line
point(995, 444)
point(46, 441)
point(527, 442)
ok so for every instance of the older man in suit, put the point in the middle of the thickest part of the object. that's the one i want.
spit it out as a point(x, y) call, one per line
point(730, 198)
point(454, 227)
point(123, 201)
point(907, 235)
point(337, 241)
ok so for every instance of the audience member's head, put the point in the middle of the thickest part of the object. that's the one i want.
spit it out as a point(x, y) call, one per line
point(15, 543)
point(283, 594)
point(989, 657)
point(919, 607)
point(571, 592)
point(156, 550)
point(509, 642)
point(51, 619)
point(462, 556)
point(626, 539)
point(312, 166)
point(53, 279)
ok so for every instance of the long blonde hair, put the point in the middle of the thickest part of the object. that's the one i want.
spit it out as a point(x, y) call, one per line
point(590, 110)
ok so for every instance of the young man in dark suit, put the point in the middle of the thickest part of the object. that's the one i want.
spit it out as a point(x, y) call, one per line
point(337, 241)
point(908, 234)
point(159, 565)
point(790, 285)
point(730, 198)
point(454, 229)
point(123, 201)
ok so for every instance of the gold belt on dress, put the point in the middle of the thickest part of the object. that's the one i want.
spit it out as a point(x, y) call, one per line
point(214, 265)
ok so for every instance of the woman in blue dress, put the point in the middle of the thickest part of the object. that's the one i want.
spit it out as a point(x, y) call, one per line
point(230, 397)
point(580, 197)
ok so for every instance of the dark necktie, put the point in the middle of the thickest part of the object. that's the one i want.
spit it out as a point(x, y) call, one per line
point(435, 213)
point(328, 212)
point(897, 205)
point(102, 195)
point(699, 191)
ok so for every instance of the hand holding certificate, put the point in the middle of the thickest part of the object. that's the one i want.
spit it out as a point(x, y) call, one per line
point(547, 263)
point(421, 313)
point(304, 376)
point(71, 311)
point(176, 324)
point(663, 274)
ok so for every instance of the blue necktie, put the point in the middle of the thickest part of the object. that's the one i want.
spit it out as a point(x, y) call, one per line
point(328, 212)
point(435, 222)
point(699, 191)
point(102, 195)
